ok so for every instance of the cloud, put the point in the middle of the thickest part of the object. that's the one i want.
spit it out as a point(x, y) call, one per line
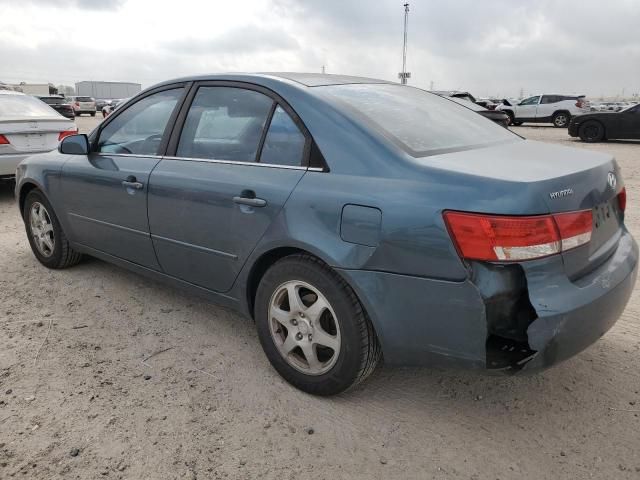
point(64, 4)
point(488, 48)
point(246, 39)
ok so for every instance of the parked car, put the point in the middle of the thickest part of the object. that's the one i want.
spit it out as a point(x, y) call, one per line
point(101, 102)
point(556, 109)
point(497, 116)
point(83, 105)
point(350, 218)
point(598, 126)
point(27, 126)
point(59, 104)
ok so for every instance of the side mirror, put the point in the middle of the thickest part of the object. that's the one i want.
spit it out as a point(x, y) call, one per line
point(74, 145)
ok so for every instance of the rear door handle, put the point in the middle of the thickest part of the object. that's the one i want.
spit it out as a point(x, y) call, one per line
point(248, 197)
point(132, 182)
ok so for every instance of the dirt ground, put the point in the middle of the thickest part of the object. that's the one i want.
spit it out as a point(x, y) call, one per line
point(105, 374)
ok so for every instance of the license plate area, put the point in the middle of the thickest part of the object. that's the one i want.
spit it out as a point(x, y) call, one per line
point(35, 141)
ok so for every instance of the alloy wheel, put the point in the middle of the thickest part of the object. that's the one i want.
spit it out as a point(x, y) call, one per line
point(41, 229)
point(304, 327)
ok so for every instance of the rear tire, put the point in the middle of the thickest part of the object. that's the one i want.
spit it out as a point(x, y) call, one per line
point(93, 114)
point(296, 338)
point(517, 124)
point(591, 131)
point(46, 237)
point(561, 119)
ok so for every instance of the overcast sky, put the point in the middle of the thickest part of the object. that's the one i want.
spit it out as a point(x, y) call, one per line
point(489, 47)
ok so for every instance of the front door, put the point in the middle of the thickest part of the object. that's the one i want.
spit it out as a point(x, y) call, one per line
point(630, 123)
point(238, 158)
point(105, 193)
point(526, 110)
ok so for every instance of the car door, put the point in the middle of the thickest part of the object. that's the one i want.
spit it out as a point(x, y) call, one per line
point(236, 155)
point(105, 193)
point(547, 106)
point(630, 123)
point(527, 108)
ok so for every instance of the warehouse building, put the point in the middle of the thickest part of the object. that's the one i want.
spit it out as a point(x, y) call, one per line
point(107, 90)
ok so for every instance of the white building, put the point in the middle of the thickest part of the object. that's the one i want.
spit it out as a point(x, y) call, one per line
point(107, 90)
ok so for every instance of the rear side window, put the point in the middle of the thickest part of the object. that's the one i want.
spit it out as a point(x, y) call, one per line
point(419, 122)
point(224, 123)
point(84, 99)
point(552, 99)
point(139, 129)
point(284, 143)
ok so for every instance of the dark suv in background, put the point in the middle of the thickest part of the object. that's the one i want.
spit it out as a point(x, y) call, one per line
point(59, 104)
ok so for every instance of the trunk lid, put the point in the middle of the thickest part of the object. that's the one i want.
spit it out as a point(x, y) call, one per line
point(33, 135)
point(533, 178)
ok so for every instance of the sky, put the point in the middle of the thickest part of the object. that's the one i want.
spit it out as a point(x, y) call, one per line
point(488, 47)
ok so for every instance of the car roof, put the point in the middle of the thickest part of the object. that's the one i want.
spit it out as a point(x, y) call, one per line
point(299, 78)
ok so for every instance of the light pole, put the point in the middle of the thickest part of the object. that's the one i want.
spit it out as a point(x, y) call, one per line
point(404, 75)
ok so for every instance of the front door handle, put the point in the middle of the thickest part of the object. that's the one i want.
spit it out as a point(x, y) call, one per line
point(132, 182)
point(248, 197)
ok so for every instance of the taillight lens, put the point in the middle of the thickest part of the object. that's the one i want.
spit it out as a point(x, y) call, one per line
point(77, 104)
point(4, 140)
point(516, 238)
point(66, 133)
point(622, 198)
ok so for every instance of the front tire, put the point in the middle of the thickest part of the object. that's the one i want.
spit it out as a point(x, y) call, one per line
point(46, 237)
point(561, 119)
point(591, 131)
point(313, 328)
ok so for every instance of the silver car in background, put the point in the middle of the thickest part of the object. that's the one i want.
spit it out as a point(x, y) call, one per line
point(28, 126)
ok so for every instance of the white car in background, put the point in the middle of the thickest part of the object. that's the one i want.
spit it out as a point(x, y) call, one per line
point(83, 105)
point(28, 126)
point(546, 108)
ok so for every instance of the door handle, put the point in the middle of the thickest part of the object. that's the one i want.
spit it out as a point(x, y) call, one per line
point(248, 197)
point(131, 182)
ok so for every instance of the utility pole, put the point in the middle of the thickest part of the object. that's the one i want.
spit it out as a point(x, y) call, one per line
point(323, 69)
point(404, 75)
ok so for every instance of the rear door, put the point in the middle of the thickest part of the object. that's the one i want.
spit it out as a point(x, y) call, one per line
point(236, 155)
point(105, 193)
point(548, 105)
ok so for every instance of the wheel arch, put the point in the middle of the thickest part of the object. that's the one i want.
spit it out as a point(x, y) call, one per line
point(26, 187)
point(562, 110)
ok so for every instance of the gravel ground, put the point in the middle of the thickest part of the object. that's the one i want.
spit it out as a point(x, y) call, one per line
point(105, 374)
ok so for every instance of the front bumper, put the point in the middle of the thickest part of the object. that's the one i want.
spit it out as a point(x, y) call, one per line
point(426, 321)
point(573, 129)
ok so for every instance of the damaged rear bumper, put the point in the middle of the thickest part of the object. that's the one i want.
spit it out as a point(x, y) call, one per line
point(525, 316)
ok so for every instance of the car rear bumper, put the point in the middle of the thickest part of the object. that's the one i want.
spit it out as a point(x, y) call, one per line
point(427, 321)
point(9, 163)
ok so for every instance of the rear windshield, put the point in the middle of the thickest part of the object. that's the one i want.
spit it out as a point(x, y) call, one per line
point(419, 122)
point(52, 100)
point(24, 106)
point(84, 99)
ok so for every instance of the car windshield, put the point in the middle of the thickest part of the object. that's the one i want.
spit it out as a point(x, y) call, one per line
point(419, 122)
point(24, 106)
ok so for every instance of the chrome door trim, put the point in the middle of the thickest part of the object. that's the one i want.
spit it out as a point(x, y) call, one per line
point(195, 247)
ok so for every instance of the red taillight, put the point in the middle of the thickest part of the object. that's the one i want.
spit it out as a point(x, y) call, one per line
point(4, 140)
point(505, 238)
point(622, 198)
point(77, 104)
point(66, 133)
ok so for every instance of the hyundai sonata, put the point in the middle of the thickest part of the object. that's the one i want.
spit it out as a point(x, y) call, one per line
point(351, 218)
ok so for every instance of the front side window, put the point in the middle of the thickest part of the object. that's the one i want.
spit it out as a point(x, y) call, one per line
point(284, 143)
point(140, 128)
point(530, 101)
point(419, 122)
point(224, 123)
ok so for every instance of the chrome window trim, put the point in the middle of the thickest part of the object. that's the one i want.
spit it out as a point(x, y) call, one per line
point(233, 162)
point(105, 154)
